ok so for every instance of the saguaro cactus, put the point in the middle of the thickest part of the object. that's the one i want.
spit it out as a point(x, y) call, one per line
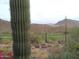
point(20, 23)
point(46, 37)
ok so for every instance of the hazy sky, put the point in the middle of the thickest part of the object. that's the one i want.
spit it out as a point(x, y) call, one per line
point(46, 11)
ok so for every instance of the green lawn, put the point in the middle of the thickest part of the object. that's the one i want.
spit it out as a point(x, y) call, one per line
point(5, 36)
point(55, 36)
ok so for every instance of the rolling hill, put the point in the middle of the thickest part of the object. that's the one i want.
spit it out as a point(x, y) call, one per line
point(70, 23)
point(5, 26)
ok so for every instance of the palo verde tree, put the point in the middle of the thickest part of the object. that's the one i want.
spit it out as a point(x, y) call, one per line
point(20, 23)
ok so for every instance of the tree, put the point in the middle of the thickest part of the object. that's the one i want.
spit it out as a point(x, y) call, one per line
point(20, 23)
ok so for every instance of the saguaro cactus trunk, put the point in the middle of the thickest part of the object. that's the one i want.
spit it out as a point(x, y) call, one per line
point(20, 23)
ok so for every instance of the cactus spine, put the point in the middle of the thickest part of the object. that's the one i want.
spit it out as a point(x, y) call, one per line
point(20, 23)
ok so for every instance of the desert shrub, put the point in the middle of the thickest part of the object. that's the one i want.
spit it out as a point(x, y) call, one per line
point(72, 45)
point(74, 42)
point(36, 38)
point(71, 51)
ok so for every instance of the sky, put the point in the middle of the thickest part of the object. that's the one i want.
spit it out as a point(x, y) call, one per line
point(46, 11)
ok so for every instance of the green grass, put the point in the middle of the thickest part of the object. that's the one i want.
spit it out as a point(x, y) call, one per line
point(5, 36)
point(40, 38)
point(55, 36)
